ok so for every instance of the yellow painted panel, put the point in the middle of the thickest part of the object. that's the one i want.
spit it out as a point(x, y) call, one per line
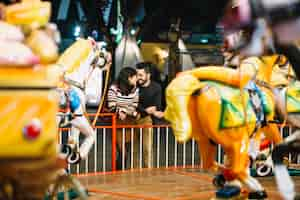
point(37, 76)
point(32, 13)
point(18, 108)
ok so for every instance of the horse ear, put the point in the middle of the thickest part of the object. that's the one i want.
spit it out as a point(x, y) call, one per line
point(94, 43)
point(282, 60)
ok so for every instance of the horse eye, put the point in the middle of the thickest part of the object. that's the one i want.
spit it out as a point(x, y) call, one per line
point(283, 66)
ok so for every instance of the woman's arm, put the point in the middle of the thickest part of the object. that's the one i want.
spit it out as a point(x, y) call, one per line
point(132, 108)
point(112, 99)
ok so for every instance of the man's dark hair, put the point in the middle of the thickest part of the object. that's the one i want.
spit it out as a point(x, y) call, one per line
point(147, 66)
point(122, 80)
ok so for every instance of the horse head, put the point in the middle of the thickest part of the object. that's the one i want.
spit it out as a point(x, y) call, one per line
point(77, 61)
point(286, 89)
point(282, 73)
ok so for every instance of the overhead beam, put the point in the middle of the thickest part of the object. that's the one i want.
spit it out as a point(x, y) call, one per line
point(63, 9)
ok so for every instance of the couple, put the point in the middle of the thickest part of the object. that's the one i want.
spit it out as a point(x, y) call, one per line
point(136, 100)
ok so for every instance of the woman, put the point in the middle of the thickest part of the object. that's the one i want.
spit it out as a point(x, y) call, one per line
point(123, 99)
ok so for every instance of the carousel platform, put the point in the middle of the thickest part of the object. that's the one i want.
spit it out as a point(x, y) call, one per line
point(157, 184)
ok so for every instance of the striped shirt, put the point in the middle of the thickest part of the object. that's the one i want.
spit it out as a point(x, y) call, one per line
point(126, 103)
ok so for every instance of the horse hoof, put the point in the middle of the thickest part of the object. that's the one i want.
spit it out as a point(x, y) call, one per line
point(66, 149)
point(264, 170)
point(257, 195)
point(74, 158)
point(228, 192)
point(219, 181)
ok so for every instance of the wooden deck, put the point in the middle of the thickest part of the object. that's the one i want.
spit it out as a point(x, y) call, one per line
point(157, 184)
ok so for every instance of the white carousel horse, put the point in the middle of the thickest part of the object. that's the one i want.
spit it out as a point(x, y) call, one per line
point(74, 94)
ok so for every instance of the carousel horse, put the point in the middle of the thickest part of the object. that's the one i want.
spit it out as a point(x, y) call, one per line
point(217, 105)
point(285, 184)
point(261, 148)
point(286, 90)
point(288, 100)
point(286, 95)
point(76, 73)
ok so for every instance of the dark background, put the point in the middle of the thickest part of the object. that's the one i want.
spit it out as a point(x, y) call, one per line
point(197, 16)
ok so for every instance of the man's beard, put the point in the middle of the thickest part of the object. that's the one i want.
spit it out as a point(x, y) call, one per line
point(141, 82)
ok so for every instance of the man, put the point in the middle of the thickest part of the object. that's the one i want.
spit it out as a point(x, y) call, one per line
point(149, 106)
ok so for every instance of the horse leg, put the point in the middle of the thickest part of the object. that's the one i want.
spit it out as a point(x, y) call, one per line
point(272, 133)
point(73, 139)
point(239, 158)
point(207, 153)
point(83, 125)
point(58, 119)
point(206, 147)
point(254, 146)
point(284, 181)
point(237, 161)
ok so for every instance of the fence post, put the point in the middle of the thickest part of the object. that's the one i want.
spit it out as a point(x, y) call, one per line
point(114, 141)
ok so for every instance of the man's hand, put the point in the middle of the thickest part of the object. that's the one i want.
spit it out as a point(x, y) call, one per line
point(158, 114)
point(150, 110)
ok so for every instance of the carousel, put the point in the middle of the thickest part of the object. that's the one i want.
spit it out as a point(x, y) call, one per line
point(240, 109)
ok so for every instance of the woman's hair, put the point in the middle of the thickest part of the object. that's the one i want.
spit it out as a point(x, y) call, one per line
point(122, 81)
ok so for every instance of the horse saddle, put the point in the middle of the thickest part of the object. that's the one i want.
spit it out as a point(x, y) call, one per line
point(69, 102)
point(256, 99)
point(233, 109)
point(69, 99)
point(236, 112)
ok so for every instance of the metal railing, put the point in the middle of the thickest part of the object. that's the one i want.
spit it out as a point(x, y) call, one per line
point(166, 151)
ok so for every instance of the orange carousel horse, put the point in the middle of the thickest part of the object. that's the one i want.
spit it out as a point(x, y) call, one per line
point(217, 105)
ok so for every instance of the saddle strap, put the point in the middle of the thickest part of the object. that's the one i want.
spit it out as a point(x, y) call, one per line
point(257, 104)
